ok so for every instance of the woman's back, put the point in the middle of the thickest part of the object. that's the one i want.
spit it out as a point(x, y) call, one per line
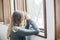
point(16, 32)
point(21, 33)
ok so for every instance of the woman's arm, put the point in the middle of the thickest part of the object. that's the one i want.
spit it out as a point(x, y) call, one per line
point(34, 25)
point(30, 22)
point(27, 32)
point(27, 25)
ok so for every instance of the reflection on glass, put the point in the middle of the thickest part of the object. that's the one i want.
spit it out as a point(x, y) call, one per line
point(37, 13)
point(35, 8)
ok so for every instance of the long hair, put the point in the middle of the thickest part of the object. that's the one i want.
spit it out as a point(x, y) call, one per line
point(16, 20)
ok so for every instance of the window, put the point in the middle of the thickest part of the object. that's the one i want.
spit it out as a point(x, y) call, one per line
point(37, 11)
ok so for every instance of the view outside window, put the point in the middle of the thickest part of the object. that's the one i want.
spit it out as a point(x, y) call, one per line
point(35, 8)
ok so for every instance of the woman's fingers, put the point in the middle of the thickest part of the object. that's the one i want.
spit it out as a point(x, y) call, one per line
point(27, 16)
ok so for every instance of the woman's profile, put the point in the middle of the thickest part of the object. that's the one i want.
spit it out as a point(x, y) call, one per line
point(17, 30)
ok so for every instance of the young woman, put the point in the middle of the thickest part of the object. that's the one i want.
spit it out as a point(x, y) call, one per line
point(17, 30)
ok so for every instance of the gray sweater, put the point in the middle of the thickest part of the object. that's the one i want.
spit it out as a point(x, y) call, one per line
point(21, 33)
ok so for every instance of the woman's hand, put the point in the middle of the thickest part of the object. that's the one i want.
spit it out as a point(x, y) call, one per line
point(27, 16)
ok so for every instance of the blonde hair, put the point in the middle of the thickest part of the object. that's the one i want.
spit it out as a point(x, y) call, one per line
point(15, 21)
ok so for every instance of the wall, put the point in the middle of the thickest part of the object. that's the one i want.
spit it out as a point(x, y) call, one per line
point(58, 19)
point(50, 20)
point(1, 14)
point(3, 32)
point(20, 4)
point(6, 5)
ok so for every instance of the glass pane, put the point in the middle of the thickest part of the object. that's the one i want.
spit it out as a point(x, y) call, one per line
point(36, 10)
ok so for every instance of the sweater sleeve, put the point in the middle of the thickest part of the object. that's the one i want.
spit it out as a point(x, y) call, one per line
point(27, 32)
point(27, 25)
point(34, 25)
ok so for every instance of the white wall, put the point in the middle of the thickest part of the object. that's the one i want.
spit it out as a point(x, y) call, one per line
point(3, 32)
point(50, 19)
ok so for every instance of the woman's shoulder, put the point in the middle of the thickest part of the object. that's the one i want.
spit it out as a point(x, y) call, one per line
point(15, 28)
